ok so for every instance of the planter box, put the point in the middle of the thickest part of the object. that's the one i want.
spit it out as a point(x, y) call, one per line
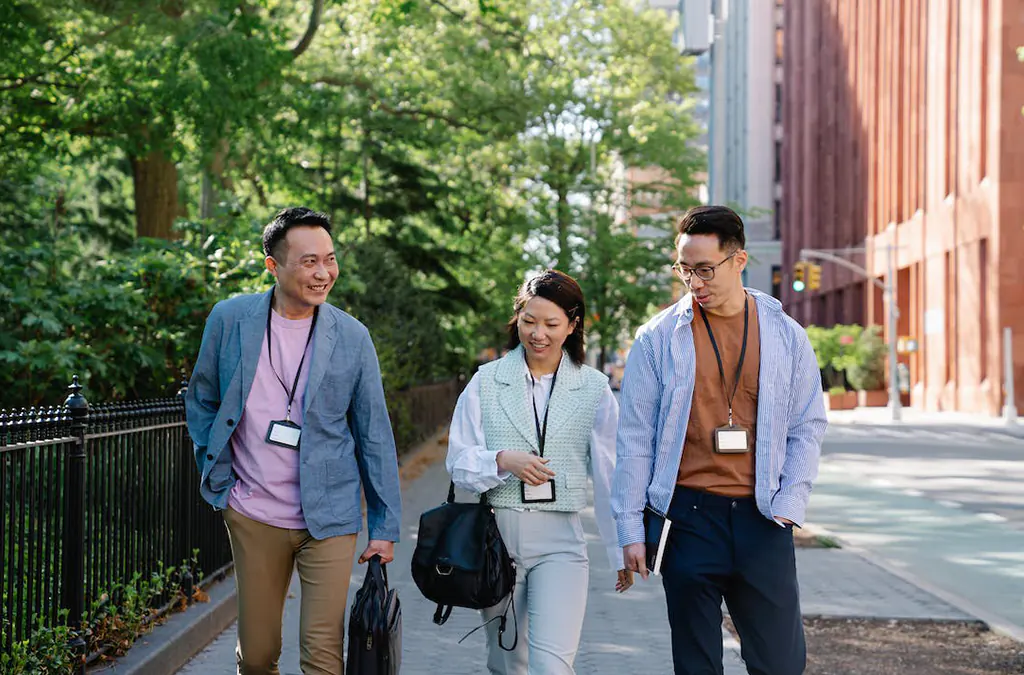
point(844, 401)
point(878, 398)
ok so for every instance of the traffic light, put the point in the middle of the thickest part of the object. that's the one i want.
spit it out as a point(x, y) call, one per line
point(813, 276)
point(799, 276)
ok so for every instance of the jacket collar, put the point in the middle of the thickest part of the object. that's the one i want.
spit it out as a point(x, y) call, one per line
point(683, 310)
point(253, 328)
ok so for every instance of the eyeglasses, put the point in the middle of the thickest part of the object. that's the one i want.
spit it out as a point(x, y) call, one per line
point(703, 272)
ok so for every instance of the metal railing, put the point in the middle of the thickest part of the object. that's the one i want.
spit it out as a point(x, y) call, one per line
point(92, 496)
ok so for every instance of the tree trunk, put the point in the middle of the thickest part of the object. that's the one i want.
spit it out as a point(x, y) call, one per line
point(564, 257)
point(156, 195)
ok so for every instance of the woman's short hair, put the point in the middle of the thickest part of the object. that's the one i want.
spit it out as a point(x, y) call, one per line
point(561, 289)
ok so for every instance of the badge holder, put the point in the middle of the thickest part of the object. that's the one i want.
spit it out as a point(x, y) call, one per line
point(284, 433)
point(538, 494)
point(731, 440)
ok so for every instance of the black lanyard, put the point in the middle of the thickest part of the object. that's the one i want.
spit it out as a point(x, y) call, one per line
point(718, 355)
point(542, 432)
point(270, 356)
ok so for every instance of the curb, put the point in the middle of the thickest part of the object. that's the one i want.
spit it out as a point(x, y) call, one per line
point(171, 645)
point(1003, 430)
point(994, 622)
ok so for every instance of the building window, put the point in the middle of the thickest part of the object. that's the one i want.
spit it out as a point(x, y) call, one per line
point(779, 45)
point(778, 103)
point(778, 161)
point(777, 281)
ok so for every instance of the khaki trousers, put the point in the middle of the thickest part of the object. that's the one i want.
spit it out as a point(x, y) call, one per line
point(265, 557)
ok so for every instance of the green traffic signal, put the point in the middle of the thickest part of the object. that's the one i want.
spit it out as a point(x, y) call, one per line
point(798, 285)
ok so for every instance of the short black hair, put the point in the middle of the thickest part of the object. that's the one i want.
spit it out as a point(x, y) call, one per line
point(561, 289)
point(275, 231)
point(720, 221)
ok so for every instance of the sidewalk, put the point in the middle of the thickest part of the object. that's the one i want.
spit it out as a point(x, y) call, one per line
point(625, 633)
point(912, 418)
point(622, 633)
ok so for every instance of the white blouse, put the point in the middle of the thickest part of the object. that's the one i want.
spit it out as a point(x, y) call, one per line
point(475, 468)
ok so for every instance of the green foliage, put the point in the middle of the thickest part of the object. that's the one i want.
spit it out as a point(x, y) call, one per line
point(460, 144)
point(44, 652)
point(851, 352)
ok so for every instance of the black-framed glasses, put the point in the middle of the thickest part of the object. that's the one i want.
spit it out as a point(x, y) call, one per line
point(703, 272)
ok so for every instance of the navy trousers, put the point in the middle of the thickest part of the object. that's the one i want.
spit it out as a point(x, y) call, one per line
point(718, 548)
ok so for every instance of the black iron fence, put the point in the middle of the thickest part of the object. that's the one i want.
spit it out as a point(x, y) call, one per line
point(93, 496)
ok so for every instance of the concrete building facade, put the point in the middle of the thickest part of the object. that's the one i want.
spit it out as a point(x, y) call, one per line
point(902, 127)
point(744, 133)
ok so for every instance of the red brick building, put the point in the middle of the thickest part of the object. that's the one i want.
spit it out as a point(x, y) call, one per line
point(902, 125)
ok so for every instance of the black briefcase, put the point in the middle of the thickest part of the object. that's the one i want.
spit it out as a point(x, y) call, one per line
point(375, 626)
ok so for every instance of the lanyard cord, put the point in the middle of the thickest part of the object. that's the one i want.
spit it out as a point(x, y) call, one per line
point(542, 432)
point(718, 355)
point(270, 357)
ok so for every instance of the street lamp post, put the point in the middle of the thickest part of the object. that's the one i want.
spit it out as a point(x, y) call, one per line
point(889, 290)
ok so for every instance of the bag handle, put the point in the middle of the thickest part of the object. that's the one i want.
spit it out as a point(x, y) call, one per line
point(379, 569)
point(451, 494)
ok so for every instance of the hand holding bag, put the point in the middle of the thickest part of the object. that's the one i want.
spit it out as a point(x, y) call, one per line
point(375, 626)
point(461, 561)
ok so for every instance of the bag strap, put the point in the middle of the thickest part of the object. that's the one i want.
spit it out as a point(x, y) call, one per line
point(442, 613)
point(451, 494)
point(502, 620)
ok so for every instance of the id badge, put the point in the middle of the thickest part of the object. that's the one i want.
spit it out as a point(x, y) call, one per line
point(284, 433)
point(538, 494)
point(731, 440)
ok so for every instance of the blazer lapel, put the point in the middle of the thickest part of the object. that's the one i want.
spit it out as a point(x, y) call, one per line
point(252, 333)
point(567, 383)
point(323, 349)
point(513, 395)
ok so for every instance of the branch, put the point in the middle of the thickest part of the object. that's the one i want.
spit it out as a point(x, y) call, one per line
point(314, 24)
point(514, 37)
point(365, 87)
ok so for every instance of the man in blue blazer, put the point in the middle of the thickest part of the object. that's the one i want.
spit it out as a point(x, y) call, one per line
point(286, 410)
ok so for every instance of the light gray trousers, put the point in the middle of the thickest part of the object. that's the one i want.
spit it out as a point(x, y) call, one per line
point(552, 576)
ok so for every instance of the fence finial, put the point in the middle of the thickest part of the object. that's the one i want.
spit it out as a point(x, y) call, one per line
point(75, 402)
point(183, 388)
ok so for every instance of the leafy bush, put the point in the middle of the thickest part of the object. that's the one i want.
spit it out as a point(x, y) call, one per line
point(849, 354)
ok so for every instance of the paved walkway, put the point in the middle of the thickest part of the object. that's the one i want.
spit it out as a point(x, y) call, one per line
point(622, 633)
point(625, 633)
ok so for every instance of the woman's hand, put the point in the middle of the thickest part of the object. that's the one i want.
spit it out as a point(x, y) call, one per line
point(525, 466)
point(625, 581)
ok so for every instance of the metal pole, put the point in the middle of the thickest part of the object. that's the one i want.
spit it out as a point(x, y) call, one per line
point(894, 313)
point(1010, 401)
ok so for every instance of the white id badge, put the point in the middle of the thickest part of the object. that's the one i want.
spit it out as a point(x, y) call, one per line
point(534, 494)
point(284, 433)
point(731, 440)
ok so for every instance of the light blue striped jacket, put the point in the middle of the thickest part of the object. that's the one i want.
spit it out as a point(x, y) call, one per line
point(657, 390)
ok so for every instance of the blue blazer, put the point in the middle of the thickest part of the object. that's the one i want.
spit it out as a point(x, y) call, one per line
point(347, 442)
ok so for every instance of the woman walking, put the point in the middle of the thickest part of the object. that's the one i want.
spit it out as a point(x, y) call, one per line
point(527, 431)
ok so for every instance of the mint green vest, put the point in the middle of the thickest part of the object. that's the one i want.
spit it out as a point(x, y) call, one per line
point(509, 424)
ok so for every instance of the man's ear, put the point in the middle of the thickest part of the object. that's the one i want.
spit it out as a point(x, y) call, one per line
point(741, 259)
point(271, 265)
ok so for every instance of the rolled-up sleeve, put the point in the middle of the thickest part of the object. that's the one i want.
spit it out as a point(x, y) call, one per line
point(636, 442)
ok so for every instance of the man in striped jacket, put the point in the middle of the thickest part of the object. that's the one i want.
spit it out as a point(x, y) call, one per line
point(720, 430)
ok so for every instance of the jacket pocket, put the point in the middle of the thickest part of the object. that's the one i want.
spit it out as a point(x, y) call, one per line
point(341, 488)
point(574, 482)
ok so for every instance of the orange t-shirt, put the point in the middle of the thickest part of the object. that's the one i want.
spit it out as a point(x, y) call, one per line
point(729, 475)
